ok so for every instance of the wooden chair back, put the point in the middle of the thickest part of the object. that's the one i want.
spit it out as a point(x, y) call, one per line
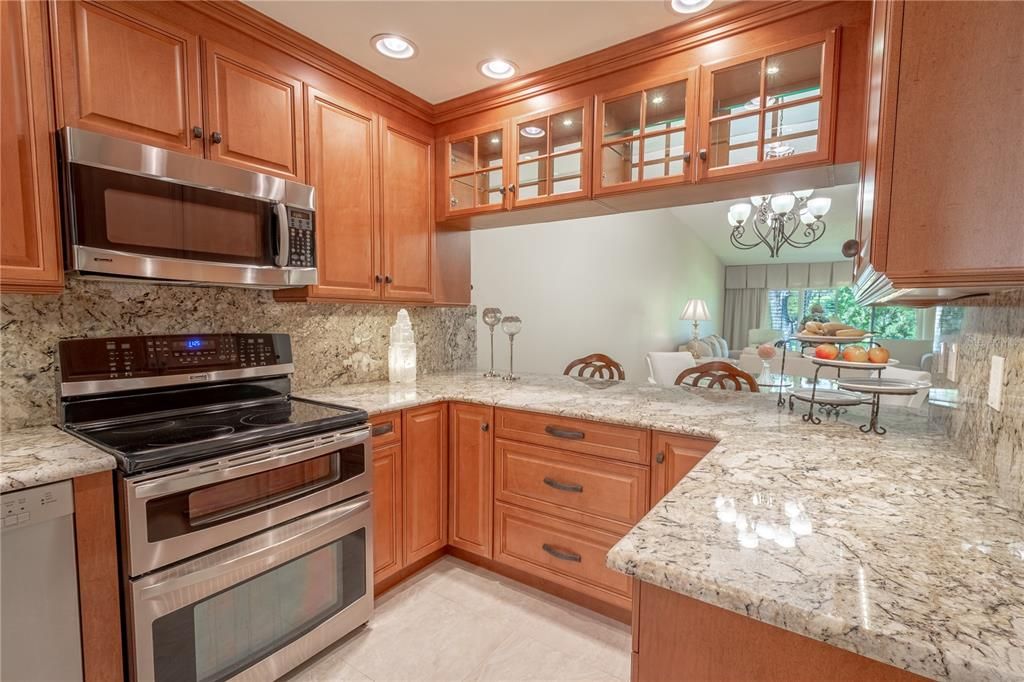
point(596, 366)
point(718, 375)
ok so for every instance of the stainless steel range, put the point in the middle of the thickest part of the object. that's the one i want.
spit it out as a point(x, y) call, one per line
point(246, 520)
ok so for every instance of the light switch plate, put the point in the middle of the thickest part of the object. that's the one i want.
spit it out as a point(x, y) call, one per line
point(995, 383)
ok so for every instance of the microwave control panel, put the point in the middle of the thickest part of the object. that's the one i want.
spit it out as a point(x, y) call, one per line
point(301, 239)
point(130, 357)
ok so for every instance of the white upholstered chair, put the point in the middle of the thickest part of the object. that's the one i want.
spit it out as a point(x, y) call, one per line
point(664, 367)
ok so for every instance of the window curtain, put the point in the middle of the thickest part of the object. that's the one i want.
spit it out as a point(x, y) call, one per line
point(745, 309)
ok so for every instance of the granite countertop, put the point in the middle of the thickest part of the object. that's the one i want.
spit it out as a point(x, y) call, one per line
point(45, 454)
point(890, 546)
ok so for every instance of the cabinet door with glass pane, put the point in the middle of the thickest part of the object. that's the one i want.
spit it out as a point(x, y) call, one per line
point(551, 155)
point(476, 179)
point(768, 110)
point(645, 135)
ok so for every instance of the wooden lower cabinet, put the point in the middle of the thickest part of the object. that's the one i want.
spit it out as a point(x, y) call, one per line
point(674, 456)
point(387, 511)
point(560, 551)
point(425, 480)
point(680, 638)
point(30, 258)
point(471, 478)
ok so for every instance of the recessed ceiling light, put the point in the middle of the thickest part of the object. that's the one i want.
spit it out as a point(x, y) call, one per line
point(495, 140)
point(393, 45)
point(532, 131)
point(567, 122)
point(772, 70)
point(689, 6)
point(657, 99)
point(498, 69)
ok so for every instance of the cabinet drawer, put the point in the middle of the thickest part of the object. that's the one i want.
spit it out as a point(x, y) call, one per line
point(560, 551)
point(600, 492)
point(386, 429)
point(577, 435)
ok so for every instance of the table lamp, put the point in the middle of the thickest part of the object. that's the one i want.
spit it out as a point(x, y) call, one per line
point(697, 310)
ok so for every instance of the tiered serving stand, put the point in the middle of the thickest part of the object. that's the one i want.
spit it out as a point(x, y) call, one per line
point(849, 392)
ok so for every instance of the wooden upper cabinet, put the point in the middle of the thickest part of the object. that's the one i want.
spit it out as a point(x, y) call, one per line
point(407, 215)
point(471, 478)
point(253, 114)
point(674, 456)
point(344, 169)
point(645, 135)
point(938, 217)
point(29, 229)
point(477, 177)
point(425, 463)
point(551, 155)
point(770, 109)
point(126, 73)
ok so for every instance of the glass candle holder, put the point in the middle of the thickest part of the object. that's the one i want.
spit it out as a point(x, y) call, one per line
point(511, 325)
point(491, 317)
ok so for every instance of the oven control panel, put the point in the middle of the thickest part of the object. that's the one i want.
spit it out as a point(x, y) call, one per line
point(301, 239)
point(129, 357)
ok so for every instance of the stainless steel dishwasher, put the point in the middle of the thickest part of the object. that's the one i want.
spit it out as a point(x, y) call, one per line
point(39, 634)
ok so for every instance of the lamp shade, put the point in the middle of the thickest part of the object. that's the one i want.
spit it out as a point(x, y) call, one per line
point(695, 309)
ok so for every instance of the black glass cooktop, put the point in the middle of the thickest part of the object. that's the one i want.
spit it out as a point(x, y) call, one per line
point(143, 444)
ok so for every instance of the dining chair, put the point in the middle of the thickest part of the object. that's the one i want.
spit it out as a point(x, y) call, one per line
point(595, 366)
point(718, 375)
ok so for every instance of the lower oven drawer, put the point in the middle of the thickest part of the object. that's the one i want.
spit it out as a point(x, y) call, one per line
point(257, 608)
point(562, 552)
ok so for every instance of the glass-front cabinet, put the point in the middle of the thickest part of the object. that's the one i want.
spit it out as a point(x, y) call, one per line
point(768, 110)
point(476, 171)
point(551, 155)
point(645, 135)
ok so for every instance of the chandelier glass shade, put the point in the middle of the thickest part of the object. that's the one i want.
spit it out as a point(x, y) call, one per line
point(775, 220)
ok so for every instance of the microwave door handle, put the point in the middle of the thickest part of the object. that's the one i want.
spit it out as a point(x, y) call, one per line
point(281, 252)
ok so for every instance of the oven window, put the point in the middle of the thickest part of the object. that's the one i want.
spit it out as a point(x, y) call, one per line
point(226, 633)
point(199, 508)
point(151, 217)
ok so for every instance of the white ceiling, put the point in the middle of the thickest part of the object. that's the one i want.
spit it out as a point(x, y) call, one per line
point(454, 37)
point(709, 222)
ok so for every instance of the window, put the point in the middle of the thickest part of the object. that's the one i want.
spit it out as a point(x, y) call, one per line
point(788, 307)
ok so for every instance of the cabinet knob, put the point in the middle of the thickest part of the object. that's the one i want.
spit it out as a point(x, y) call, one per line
point(660, 458)
point(216, 137)
point(501, 191)
point(703, 154)
point(453, 202)
point(387, 279)
point(850, 248)
point(686, 157)
point(197, 132)
point(512, 188)
point(485, 427)
point(378, 279)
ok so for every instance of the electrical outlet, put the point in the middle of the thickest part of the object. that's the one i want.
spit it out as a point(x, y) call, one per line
point(995, 382)
point(951, 362)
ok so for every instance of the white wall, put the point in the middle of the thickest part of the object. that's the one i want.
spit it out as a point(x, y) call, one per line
point(611, 284)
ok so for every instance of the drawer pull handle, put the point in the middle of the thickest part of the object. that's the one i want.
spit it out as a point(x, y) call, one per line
point(564, 433)
point(559, 554)
point(567, 487)
point(381, 429)
point(660, 458)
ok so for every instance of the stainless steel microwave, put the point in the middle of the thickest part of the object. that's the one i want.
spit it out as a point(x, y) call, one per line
point(136, 211)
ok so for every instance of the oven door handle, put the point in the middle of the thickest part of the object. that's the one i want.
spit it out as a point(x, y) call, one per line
point(282, 247)
point(208, 573)
point(259, 461)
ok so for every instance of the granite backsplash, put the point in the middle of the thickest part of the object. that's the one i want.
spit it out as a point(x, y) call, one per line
point(992, 440)
point(332, 343)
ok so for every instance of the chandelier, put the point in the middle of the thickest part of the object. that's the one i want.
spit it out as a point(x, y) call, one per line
point(792, 218)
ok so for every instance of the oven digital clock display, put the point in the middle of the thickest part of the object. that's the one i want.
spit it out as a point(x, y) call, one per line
point(195, 344)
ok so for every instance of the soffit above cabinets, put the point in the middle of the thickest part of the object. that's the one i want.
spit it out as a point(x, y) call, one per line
point(454, 37)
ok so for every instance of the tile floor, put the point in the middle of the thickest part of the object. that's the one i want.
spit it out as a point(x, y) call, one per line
point(455, 621)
